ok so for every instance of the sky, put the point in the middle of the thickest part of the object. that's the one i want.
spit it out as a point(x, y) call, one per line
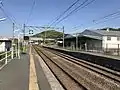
point(47, 10)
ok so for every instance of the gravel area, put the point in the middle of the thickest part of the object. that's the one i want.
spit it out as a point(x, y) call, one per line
point(86, 77)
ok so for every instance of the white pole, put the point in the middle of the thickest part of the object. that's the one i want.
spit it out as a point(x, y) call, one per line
point(63, 38)
point(6, 56)
point(16, 51)
point(18, 47)
point(12, 53)
point(76, 41)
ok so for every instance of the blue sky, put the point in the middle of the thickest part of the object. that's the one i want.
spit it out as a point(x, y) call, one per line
point(46, 10)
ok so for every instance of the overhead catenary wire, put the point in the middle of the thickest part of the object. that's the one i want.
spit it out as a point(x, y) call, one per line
point(113, 18)
point(8, 15)
point(71, 12)
point(108, 20)
point(58, 17)
point(30, 13)
point(13, 21)
point(75, 10)
point(77, 26)
point(107, 16)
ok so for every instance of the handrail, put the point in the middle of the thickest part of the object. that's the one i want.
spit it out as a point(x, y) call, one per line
point(2, 53)
point(9, 55)
point(5, 55)
point(2, 59)
point(9, 51)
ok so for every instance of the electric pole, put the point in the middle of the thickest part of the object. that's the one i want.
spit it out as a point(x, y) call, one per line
point(23, 46)
point(76, 41)
point(45, 35)
point(63, 37)
point(13, 41)
point(13, 31)
point(23, 30)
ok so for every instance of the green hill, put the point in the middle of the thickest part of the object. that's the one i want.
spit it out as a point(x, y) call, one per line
point(49, 34)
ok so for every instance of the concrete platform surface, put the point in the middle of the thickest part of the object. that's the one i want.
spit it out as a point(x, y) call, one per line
point(15, 75)
point(27, 74)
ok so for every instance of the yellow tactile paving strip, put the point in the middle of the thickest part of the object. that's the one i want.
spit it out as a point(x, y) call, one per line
point(32, 76)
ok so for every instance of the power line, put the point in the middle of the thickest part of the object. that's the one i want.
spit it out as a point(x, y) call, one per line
point(6, 12)
point(77, 26)
point(75, 10)
point(10, 17)
point(108, 20)
point(30, 13)
point(71, 12)
point(113, 18)
point(74, 3)
point(7, 15)
point(107, 16)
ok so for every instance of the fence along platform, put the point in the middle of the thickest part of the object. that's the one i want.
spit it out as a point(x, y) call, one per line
point(7, 56)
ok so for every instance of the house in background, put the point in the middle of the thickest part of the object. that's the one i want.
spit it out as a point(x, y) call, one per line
point(5, 44)
point(102, 39)
point(95, 40)
point(59, 41)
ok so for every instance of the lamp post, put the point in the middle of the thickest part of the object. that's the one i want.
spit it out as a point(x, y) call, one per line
point(18, 50)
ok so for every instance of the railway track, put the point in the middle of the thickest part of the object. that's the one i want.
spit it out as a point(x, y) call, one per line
point(97, 68)
point(76, 75)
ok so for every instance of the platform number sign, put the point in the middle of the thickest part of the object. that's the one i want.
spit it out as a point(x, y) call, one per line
point(30, 31)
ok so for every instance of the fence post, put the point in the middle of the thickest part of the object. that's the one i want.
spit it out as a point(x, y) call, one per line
point(12, 53)
point(16, 51)
point(6, 56)
point(86, 47)
point(106, 48)
point(118, 49)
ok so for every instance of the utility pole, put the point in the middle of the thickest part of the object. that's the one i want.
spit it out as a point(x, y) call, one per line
point(45, 35)
point(63, 37)
point(76, 41)
point(13, 31)
point(23, 30)
point(23, 48)
point(13, 41)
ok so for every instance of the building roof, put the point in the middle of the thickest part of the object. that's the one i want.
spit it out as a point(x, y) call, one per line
point(107, 33)
point(90, 36)
point(69, 36)
point(95, 34)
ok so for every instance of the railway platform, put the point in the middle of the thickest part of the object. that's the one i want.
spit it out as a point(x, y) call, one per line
point(27, 73)
point(43, 68)
point(15, 75)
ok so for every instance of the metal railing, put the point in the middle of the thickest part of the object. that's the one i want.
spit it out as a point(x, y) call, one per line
point(6, 57)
